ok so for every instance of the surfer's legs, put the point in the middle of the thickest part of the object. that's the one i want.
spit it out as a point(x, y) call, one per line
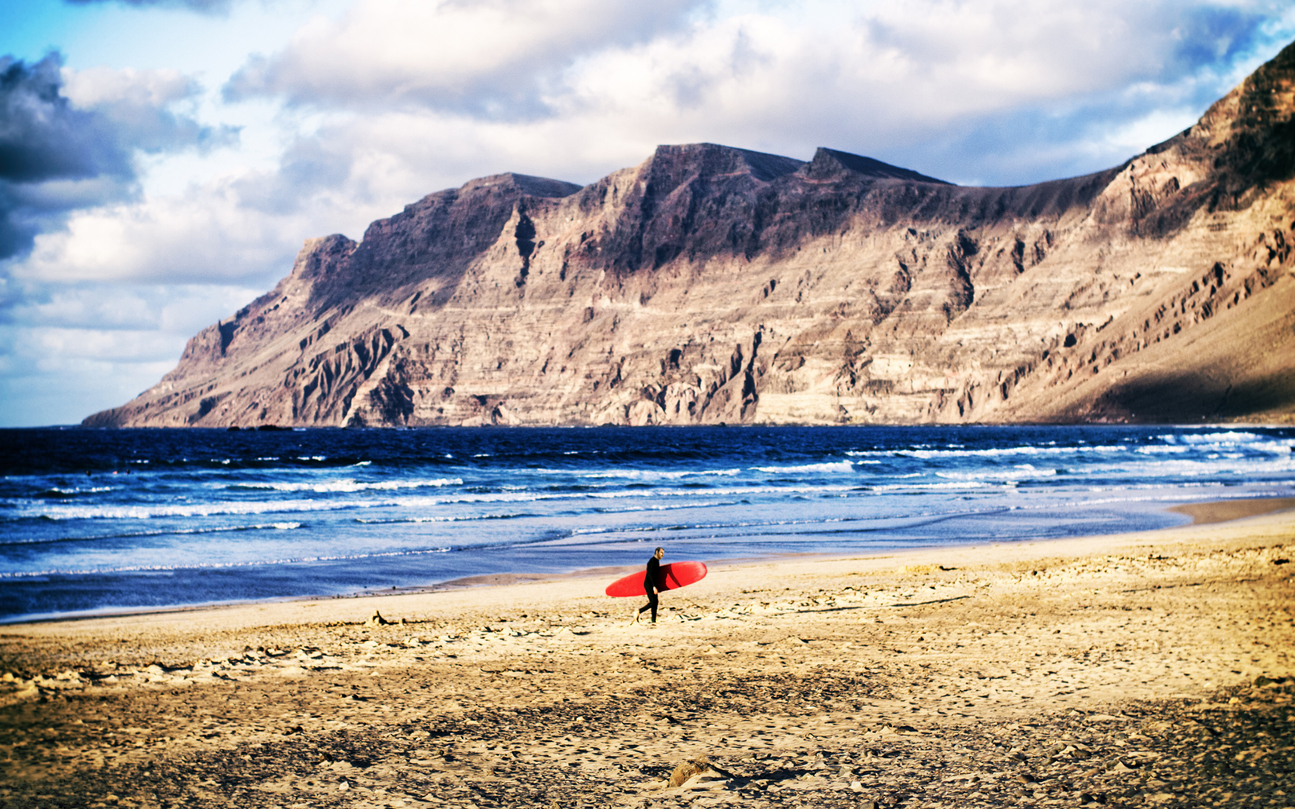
point(651, 605)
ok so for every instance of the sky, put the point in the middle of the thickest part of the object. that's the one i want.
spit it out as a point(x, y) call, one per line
point(162, 161)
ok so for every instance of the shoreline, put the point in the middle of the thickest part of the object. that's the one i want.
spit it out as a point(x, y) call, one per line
point(587, 583)
point(1202, 513)
point(1104, 671)
point(1217, 511)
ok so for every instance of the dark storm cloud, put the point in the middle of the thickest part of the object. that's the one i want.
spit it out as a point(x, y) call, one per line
point(56, 157)
point(44, 139)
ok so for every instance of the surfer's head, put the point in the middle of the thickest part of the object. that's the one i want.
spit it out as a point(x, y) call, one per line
point(659, 553)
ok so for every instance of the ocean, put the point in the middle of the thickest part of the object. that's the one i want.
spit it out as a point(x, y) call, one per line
point(95, 521)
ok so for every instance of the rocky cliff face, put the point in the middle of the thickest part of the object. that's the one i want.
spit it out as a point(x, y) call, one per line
point(712, 284)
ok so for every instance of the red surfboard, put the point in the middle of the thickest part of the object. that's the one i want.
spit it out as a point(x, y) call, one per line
point(669, 577)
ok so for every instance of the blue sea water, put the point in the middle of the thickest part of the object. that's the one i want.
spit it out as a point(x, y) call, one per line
point(103, 520)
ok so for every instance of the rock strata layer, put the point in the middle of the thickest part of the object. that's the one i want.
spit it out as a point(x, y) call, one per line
point(716, 285)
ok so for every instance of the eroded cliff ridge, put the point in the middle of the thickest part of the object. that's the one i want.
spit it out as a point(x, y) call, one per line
point(711, 284)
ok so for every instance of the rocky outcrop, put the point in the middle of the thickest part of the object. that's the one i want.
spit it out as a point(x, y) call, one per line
point(711, 284)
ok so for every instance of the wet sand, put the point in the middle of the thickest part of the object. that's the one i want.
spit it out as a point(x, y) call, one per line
point(1227, 510)
point(1150, 669)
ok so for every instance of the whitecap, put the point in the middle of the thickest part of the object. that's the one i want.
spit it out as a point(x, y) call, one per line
point(829, 466)
point(349, 485)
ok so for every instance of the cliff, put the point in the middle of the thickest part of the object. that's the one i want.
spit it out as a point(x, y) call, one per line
point(711, 284)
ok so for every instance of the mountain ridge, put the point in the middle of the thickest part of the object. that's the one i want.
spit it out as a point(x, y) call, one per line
point(713, 284)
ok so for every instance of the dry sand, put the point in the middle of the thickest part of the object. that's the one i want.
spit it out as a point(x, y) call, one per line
point(1148, 669)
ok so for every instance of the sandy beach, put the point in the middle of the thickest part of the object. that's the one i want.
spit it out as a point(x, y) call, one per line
point(1150, 669)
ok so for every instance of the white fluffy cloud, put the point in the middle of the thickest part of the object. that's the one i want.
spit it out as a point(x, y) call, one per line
point(921, 61)
point(205, 236)
point(66, 350)
point(873, 77)
point(101, 86)
point(488, 56)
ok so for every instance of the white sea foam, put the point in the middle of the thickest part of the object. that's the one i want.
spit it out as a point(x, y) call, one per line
point(61, 511)
point(530, 496)
point(1018, 472)
point(665, 507)
point(1000, 452)
point(962, 484)
point(416, 520)
point(830, 467)
point(106, 569)
point(659, 474)
point(350, 485)
point(86, 490)
point(1229, 437)
point(755, 490)
point(223, 529)
point(631, 474)
point(1168, 467)
point(1277, 447)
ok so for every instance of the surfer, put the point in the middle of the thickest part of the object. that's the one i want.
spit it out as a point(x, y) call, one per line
point(650, 578)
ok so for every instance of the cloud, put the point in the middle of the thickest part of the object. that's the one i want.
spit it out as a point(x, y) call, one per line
point(205, 234)
point(494, 58)
point(1193, 55)
point(124, 310)
point(202, 6)
point(72, 208)
point(65, 148)
point(52, 155)
point(38, 387)
point(70, 350)
point(983, 92)
point(42, 136)
point(882, 78)
point(137, 105)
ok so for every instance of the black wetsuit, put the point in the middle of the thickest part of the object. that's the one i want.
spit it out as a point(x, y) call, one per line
point(649, 584)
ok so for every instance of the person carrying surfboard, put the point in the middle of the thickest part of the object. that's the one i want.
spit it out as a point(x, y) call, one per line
point(650, 578)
